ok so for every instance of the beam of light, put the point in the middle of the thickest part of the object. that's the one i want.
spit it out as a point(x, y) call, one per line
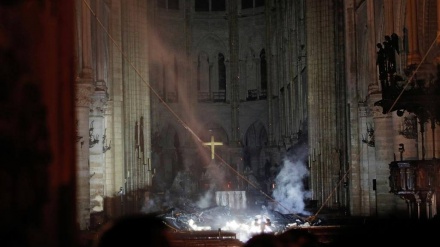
point(279, 205)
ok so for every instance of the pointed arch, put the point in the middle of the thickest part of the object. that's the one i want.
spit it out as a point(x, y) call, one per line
point(255, 141)
point(249, 73)
point(221, 72)
point(256, 135)
point(211, 42)
point(171, 161)
point(215, 69)
point(217, 130)
point(203, 72)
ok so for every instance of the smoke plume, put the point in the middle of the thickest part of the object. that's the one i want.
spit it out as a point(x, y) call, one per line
point(289, 191)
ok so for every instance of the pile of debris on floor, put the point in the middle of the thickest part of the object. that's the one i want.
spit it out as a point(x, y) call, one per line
point(193, 222)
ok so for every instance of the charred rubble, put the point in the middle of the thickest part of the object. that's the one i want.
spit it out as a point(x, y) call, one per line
point(185, 215)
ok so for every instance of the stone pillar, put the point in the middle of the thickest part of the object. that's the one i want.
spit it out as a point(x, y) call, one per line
point(190, 74)
point(413, 42)
point(373, 79)
point(269, 61)
point(235, 74)
point(384, 143)
point(135, 103)
point(437, 59)
point(97, 163)
point(102, 43)
point(82, 105)
point(322, 97)
point(84, 91)
point(389, 16)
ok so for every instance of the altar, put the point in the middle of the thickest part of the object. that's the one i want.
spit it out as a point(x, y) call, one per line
point(232, 199)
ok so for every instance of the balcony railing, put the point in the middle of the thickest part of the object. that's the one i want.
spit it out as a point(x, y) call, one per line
point(255, 94)
point(263, 94)
point(219, 96)
point(211, 96)
point(203, 97)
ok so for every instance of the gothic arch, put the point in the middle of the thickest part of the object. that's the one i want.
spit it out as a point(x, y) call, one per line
point(202, 72)
point(170, 157)
point(211, 43)
point(213, 46)
point(255, 141)
point(216, 129)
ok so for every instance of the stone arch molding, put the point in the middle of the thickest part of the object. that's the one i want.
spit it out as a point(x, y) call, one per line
point(212, 45)
point(253, 43)
point(217, 130)
point(168, 133)
point(255, 135)
point(254, 142)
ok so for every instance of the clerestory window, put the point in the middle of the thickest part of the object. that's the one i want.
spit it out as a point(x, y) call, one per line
point(168, 4)
point(210, 5)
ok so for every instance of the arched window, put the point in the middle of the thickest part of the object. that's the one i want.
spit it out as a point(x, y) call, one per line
point(263, 71)
point(247, 4)
point(259, 3)
point(218, 5)
point(168, 4)
point(203, 77)
point(210, 5)
point(202, 5)
point(162, 4)
point(221, 72)
point(173, 4)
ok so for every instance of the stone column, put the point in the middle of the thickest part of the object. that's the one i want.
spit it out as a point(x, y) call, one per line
point(384, 143)
point(97, 163)
point(389, 16)
point(102, 43)
point(373, 79)
point(190, 74)
point(437, 59)
point(413, 42)
point(84, 91)
point(269, 61)
point(235, 74)
point(82, 106)
point(323, 93)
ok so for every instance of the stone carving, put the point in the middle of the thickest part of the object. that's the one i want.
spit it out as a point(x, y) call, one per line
point(99, 99)
point(98, 106)
point(83, 94)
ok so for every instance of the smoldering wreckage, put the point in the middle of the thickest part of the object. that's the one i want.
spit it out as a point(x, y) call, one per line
point(230, 216)
point(242, 212)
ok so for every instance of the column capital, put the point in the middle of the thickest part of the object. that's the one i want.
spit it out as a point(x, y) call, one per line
point(84, 90)
point(98, 106)
point(86, 73)
point(99, 99)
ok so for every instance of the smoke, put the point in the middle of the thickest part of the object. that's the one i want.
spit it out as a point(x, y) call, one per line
point(205, 200)
point(289, 191)
point(214, 177)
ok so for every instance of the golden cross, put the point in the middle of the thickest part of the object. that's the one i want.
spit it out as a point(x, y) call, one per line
point(212, 144)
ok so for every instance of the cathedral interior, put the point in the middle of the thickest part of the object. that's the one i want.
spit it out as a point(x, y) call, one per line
point(315, 109)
